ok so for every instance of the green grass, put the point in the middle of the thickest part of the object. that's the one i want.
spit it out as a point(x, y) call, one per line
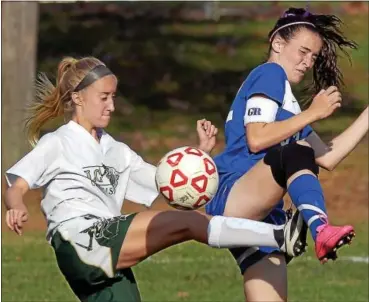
point(187, 272)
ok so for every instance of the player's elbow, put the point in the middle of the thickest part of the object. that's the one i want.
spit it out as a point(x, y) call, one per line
point(326, 164)
point(255, 145)
point(255, 137)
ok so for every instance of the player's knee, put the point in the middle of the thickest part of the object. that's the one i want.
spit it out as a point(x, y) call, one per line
point(287, 160)
point(296, 157)
point(197, 227)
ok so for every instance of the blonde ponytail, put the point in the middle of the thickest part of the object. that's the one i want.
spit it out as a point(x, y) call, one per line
point(48, 101)
point(52, 101)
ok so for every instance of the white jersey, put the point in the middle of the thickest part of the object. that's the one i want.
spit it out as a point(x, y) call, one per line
point(81, 176)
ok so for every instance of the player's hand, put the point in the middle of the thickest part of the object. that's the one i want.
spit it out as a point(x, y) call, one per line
point(325, 103)
point(15, 219)
point(207, 133)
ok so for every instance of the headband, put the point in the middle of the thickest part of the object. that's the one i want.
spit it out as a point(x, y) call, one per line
point(289, 24)
point(93, 75)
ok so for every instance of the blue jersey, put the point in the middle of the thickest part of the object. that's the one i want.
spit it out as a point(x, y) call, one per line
point(270, 80)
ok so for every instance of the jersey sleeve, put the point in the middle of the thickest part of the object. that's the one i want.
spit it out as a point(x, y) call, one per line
point(270, 81)
point(39, 166)
point(260, 110)
point(141, 183)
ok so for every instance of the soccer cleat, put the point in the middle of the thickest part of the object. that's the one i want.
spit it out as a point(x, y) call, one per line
point(294, 235)
point(330, 238)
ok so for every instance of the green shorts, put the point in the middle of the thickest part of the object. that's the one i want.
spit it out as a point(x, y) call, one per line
point(87, 251)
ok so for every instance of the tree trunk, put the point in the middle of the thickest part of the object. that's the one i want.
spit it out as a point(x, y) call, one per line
point(19, 55)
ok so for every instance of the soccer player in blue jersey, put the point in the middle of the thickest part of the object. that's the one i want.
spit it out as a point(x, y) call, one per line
point(271, 148)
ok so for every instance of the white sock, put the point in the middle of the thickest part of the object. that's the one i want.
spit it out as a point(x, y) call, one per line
point(228, 232)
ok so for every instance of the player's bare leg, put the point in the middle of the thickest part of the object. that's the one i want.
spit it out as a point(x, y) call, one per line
point(153, 231)
point(266, 280)
point(255, 194)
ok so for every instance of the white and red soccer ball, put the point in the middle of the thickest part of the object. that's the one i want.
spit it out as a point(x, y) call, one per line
point(187, 177)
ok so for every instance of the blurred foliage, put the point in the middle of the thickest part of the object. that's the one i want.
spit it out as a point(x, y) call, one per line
point(187, 57)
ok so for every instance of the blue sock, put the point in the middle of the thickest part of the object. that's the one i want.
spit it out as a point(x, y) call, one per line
point(307, 195)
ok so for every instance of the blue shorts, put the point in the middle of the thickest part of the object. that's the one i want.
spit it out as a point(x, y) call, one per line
point(245, 256)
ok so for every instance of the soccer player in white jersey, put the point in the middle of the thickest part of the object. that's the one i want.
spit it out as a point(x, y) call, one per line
point(271, 149)
point(86, 175)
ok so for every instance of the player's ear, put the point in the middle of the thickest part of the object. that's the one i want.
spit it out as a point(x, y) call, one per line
point(278, 44)
point(77, 98)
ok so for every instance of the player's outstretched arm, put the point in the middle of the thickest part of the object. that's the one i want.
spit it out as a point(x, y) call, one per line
point(261, 135)
point(328, 156)
point(207, 133)
point(17, 212)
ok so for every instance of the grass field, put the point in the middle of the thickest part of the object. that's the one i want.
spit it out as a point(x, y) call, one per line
point(188, 272)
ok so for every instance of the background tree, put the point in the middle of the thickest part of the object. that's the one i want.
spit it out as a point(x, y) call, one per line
point(19, 43)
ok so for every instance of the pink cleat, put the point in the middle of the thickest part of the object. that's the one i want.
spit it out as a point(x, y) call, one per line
point(330, 238)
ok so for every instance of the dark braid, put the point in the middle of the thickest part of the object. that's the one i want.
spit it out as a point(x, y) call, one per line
point(325, 71)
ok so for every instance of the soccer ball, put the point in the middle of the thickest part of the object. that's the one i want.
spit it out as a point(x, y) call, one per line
point(187, 177)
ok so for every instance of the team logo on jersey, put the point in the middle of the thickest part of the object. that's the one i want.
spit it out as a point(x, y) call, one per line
point(254, 111)
point(104, 177)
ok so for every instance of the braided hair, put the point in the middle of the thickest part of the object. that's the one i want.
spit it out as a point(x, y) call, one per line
point(325, 70)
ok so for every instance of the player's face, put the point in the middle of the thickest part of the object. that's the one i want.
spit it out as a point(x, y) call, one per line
point(98, 102)
point(298, 55)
